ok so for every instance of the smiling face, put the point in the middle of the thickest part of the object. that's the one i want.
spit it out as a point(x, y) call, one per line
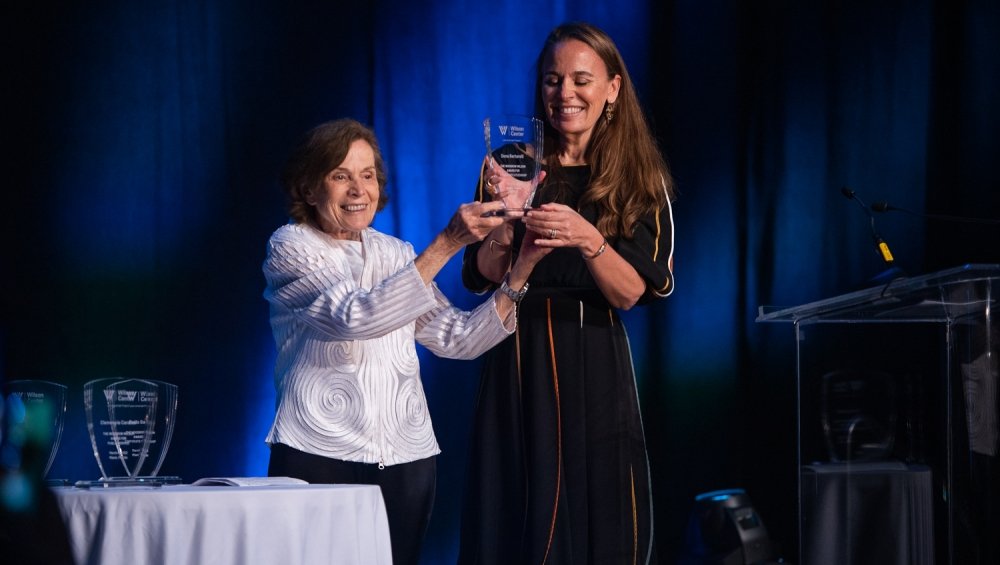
point(575, 88)
point(346, 201)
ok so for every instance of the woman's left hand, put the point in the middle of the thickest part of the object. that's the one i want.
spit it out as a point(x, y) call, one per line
point(558, 225)
point(469, 224)
point(472, 222)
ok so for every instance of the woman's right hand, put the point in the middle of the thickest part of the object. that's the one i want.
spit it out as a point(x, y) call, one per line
point(531, 253)
point(514, 193)
point(529, 256)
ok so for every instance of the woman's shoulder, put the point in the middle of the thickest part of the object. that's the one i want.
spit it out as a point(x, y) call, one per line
point(293, 232)
point(293, 243)
point(301, 240)
point(297, 236)
point(385, 242)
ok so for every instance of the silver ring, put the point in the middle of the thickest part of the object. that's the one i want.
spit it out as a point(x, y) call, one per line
point(552, 234)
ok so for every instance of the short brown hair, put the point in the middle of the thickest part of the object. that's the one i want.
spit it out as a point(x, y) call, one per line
point(322, 150)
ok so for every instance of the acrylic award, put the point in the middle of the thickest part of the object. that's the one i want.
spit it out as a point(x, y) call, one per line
point(858, 414)
point(130, 422)
point(35, 412)
point(513, 160)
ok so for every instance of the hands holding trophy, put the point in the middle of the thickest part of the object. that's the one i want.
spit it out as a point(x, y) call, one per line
point(513, 166)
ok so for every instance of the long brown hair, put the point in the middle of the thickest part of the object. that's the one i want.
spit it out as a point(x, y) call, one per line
point(629, 177)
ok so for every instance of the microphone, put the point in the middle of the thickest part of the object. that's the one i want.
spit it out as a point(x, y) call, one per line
point(882, 206)
point(883, 247)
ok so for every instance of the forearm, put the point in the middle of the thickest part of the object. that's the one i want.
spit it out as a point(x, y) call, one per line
point(494, 256)
point(342, 310)
point(506, 308)
point(437, 254)
point(455, 334)
point(618, 280)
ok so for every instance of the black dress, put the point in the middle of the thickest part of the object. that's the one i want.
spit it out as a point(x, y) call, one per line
point(558, 472)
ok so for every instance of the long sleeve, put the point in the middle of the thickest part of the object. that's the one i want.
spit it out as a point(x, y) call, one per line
point(456, 334)
point(651, 252)
point(313, 283)
point(347, 374)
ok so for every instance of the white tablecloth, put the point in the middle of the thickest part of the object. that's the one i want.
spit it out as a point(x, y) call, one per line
point(191, 525)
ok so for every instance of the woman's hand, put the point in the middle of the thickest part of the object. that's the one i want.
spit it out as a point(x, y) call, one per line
point(470, 223)
point(493, 258)
point(473, 221)
point(514, 193)
point(530, 254)
point(558, 225)
point(527, 258)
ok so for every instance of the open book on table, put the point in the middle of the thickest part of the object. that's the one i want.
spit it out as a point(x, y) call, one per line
point(247, 481)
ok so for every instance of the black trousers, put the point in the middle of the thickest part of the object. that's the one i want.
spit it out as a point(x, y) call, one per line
point(408, 490)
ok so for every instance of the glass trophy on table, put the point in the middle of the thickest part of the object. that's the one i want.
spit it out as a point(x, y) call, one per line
point(130, 422)
point(513, 160)
point(34, 413)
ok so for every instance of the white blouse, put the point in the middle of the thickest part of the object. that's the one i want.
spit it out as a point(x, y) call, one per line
point(347, 374)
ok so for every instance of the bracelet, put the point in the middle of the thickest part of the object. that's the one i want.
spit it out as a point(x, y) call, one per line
point(600, 250)
point(515, 295)
point(503, 248)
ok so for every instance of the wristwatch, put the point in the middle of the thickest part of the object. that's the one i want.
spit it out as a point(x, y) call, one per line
point(515, 295)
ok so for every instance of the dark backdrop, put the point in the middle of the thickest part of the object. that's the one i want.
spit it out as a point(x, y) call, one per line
point(143, 143)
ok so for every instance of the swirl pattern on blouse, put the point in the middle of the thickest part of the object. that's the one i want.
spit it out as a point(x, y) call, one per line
point(347, 371)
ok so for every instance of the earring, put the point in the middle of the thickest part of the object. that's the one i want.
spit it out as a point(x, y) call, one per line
point(609, 111)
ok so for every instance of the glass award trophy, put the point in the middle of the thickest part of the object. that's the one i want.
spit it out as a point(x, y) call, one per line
point(858, 414)
point(130, 422)
point(35, 412)
point(513, 160)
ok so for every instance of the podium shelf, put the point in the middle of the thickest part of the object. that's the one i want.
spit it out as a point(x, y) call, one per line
point(942, 296)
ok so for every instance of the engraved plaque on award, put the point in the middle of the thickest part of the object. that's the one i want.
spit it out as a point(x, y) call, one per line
point(35, 412)
point(513, 159)
point(130, 422)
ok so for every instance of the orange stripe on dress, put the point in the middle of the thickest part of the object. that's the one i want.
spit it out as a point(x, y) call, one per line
point(664, 287)
point(656, 252)
point(555, 388)
point(635, 519)
point(656, 240)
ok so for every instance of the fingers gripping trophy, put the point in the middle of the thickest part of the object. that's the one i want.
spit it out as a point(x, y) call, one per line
point(513, 166)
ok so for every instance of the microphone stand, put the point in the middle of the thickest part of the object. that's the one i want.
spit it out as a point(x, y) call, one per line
point(892, 272)
point(882, 206)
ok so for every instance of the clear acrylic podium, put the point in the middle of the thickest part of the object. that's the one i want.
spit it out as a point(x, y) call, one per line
point(898, 436)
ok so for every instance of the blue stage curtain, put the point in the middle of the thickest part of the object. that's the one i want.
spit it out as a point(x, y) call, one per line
point(145, 141)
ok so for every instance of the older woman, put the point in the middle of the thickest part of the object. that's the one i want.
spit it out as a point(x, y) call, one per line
point(348, 305)
point(559, 472)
